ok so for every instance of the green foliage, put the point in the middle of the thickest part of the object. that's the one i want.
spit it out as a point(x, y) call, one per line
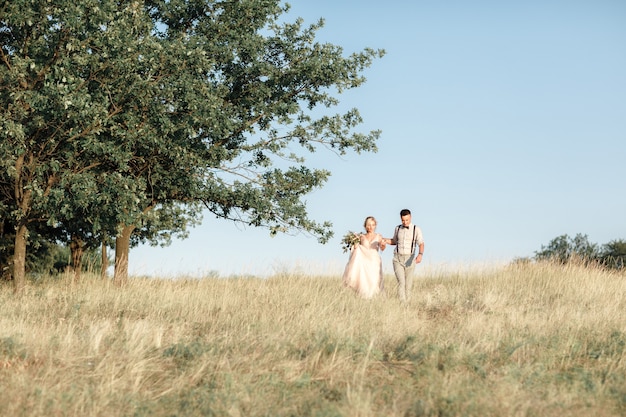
point(564, 249)
point(143, 113)
point(613, 254)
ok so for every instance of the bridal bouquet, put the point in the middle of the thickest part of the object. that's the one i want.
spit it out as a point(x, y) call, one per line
point(349, 241)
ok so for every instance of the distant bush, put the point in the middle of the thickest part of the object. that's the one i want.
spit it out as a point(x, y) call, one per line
point(613, 254)
point(564, 249)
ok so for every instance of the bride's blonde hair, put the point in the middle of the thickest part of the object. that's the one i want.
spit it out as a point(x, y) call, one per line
point(369, 218)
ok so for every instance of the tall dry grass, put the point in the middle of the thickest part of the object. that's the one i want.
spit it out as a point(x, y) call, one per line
point(526, 340)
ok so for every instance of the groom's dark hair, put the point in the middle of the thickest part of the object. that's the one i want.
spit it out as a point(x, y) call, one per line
point(405, 212)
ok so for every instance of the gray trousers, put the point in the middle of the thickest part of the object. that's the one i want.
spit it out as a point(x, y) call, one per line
point(403, 267)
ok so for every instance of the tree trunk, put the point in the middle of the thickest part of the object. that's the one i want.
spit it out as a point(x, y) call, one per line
point(77, 247)
point(19, 259)
point(5, 263)
point(23, 200)
point(122, 248)
point(104, 259)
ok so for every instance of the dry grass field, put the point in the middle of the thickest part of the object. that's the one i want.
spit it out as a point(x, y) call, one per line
point(524, 340)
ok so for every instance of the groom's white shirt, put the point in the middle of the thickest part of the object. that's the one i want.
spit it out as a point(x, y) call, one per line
point(404, 239)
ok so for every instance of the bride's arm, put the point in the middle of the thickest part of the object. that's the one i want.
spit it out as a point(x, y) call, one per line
point(382, 242)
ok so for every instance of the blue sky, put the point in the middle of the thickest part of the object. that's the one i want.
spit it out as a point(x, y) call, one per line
point(503, 126)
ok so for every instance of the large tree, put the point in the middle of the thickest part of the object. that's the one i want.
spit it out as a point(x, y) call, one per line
point(257, 82)
point(166, 104)
point(62, 64)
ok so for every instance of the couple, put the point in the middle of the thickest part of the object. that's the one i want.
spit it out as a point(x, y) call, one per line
point(364, 271)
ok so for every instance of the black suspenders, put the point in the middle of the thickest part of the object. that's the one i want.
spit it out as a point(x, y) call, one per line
point(412, 242)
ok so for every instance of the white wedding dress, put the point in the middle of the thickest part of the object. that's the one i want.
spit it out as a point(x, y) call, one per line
point(364, 271)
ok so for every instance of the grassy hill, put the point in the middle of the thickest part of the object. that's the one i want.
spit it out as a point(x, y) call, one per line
point(524, 340)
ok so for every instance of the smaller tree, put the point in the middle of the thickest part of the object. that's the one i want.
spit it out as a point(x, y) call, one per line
point(613, 254)
point(564, 249)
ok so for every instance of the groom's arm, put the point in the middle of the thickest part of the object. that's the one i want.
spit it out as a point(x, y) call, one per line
point(418, 257)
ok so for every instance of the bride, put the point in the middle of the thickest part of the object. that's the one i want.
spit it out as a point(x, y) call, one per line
point(364, 271)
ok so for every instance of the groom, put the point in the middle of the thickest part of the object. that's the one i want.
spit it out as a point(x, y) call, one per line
point(407, 237)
